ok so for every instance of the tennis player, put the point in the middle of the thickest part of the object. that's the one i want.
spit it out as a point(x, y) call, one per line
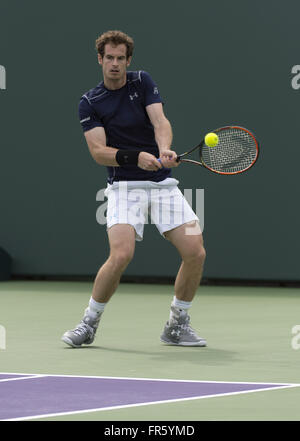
point(127, 131)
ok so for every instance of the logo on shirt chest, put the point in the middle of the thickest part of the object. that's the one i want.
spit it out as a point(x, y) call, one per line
point(132, 97)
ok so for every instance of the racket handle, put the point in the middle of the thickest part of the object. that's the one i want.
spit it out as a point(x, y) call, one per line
point(178, 158)
point(159, 160)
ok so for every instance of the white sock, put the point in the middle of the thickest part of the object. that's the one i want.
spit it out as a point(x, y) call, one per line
point(95, 308)
point(179, 305)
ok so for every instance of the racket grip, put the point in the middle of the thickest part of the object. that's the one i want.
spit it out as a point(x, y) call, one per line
point(178, 158)
point(159, 160)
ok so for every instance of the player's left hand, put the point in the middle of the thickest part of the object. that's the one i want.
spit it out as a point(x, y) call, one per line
point(168, 159)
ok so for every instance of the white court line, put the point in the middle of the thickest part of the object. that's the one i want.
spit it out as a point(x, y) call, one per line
point(49, 415)
point(29, 377)
point(154, 379)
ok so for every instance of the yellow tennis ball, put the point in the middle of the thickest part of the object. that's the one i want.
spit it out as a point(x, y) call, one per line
point(211, 139)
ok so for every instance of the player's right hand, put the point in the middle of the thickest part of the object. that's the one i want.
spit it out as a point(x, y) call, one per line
point(148, 162)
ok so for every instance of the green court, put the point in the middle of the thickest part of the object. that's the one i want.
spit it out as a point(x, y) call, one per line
point(248, 330)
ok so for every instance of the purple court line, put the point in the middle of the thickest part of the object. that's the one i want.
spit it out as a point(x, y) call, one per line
point(51, 395)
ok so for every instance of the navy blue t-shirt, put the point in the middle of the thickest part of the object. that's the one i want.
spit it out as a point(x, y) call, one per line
point(122, 113)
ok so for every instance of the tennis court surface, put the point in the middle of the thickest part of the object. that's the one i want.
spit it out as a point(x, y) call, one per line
point(36, 396)
point(248, 371)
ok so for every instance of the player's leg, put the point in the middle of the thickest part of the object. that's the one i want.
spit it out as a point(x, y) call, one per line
point(177, 330)
point(122, 244)
point(188, 241)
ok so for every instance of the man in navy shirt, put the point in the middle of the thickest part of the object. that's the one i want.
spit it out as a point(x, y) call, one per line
point(127, 131)
point(121, 114)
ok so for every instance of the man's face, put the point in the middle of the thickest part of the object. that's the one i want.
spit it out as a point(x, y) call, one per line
point(114, 62)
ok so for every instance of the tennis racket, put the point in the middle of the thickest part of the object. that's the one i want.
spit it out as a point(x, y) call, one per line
point(236, 152)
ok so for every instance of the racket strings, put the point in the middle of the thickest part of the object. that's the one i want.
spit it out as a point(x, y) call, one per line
point(236, 151)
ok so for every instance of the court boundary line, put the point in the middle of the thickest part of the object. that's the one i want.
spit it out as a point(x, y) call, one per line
point(276, 386)
point(29, 377)
point(283, 384)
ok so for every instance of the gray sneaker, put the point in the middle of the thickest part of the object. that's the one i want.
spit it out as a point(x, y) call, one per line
point(84, 333)
point(179, 332)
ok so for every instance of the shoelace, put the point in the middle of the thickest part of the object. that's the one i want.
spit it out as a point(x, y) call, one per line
point(186, 327)
point(81, 329)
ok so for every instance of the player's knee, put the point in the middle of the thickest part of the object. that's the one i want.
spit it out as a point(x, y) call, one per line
point(200, 255)
point(122, 258)
point(196, 256)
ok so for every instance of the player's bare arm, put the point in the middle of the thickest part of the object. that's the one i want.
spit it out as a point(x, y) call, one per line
point(105, 155)
point(163, 134)
point(101, 153)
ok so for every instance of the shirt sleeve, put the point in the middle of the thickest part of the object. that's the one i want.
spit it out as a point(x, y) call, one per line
point(151, 92)
point(87, 116)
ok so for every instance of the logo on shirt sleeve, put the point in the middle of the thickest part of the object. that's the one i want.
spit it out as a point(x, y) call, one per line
point(85, 119)
point(155, 90)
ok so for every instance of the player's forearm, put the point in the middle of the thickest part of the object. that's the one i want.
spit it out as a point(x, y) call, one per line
point(112, 157)
point(104, 155)
point(163, 135)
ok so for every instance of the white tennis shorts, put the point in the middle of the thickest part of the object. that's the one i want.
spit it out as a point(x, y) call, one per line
point(140, 202)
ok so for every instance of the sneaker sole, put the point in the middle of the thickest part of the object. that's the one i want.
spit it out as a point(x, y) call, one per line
point(69, 342)
point(185, 343)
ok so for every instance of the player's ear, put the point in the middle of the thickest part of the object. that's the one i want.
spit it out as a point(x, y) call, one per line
point(100, 59)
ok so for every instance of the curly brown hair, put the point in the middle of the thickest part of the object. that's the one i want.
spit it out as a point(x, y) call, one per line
point(115, 38)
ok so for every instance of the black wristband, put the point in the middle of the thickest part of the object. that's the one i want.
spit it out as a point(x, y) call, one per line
point(127, 157)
